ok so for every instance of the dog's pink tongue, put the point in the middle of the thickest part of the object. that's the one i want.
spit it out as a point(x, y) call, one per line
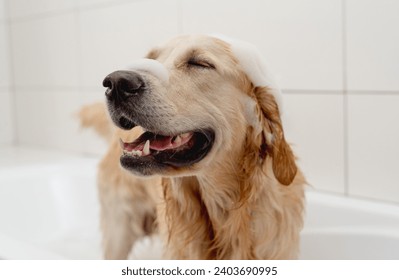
point(162, 143)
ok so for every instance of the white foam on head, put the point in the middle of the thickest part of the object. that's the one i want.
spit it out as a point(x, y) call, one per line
point(249, 110)
point(254, 65)
point(152, 66)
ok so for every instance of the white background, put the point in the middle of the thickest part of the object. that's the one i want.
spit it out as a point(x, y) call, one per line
point(286, 270)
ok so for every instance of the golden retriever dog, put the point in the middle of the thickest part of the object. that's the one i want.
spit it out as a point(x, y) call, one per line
point(197, 155)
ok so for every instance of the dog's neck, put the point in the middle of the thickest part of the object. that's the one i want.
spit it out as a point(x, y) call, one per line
point(211, 212)
point(234, 211)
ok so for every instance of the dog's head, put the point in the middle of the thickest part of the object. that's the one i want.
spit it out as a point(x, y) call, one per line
point(199, 99)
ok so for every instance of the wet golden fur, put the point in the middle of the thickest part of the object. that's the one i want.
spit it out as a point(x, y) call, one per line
point(244, 201)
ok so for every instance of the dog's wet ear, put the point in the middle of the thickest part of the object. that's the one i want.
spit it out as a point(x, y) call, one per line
point(273, 140)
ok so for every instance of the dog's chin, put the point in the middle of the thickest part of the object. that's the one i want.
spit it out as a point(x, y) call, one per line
point(157, 154)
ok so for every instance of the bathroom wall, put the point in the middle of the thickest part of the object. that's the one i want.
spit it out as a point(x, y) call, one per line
point(337, 62)
point(61, 52)
point(6, 103)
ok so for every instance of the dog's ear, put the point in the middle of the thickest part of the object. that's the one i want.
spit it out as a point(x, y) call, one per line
point(273, 142)
point(269, 137)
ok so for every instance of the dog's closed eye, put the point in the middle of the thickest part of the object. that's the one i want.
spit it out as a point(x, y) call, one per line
point(201, 63)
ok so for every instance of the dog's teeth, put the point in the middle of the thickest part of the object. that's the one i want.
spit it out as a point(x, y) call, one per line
point(146, 149)
point(136, 153)
point(177, 140)
point(185, 135)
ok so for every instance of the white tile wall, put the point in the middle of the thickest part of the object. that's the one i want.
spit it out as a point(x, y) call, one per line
point(46, 119)
point(6, 103)
point(4, 57)
point(36, 122)
point(45, 52)
point(314, 125)
point(373, 44)
point(2, 10)
point(112, 37)
point(373, 146)
point(6, 115)
point(301, 39)
point(24, 8)
point(94, 3)
point(90, 142)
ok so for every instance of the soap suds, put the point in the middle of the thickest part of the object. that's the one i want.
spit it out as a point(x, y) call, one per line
point(151, 66)
point(254, 65)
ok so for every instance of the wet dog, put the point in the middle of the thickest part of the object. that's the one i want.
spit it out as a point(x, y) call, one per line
point(198, 155)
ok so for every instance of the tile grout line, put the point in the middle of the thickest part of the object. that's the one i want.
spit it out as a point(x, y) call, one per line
point(78, 45)
point(338, 92)
point(78, 12)
point(345, 100)
point(320, 92)
point(12, 88)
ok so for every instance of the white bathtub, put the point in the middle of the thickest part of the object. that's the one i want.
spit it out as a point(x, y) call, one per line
point(48, 206)
point(49, 210)
point(339, 227)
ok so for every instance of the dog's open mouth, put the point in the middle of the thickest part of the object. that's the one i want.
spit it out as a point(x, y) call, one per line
point(151, 152)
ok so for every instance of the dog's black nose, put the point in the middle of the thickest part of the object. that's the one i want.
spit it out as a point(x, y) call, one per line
point(123, 84)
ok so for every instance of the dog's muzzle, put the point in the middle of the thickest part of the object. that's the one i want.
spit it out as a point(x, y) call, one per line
point(127, 90)
point(123, 87)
